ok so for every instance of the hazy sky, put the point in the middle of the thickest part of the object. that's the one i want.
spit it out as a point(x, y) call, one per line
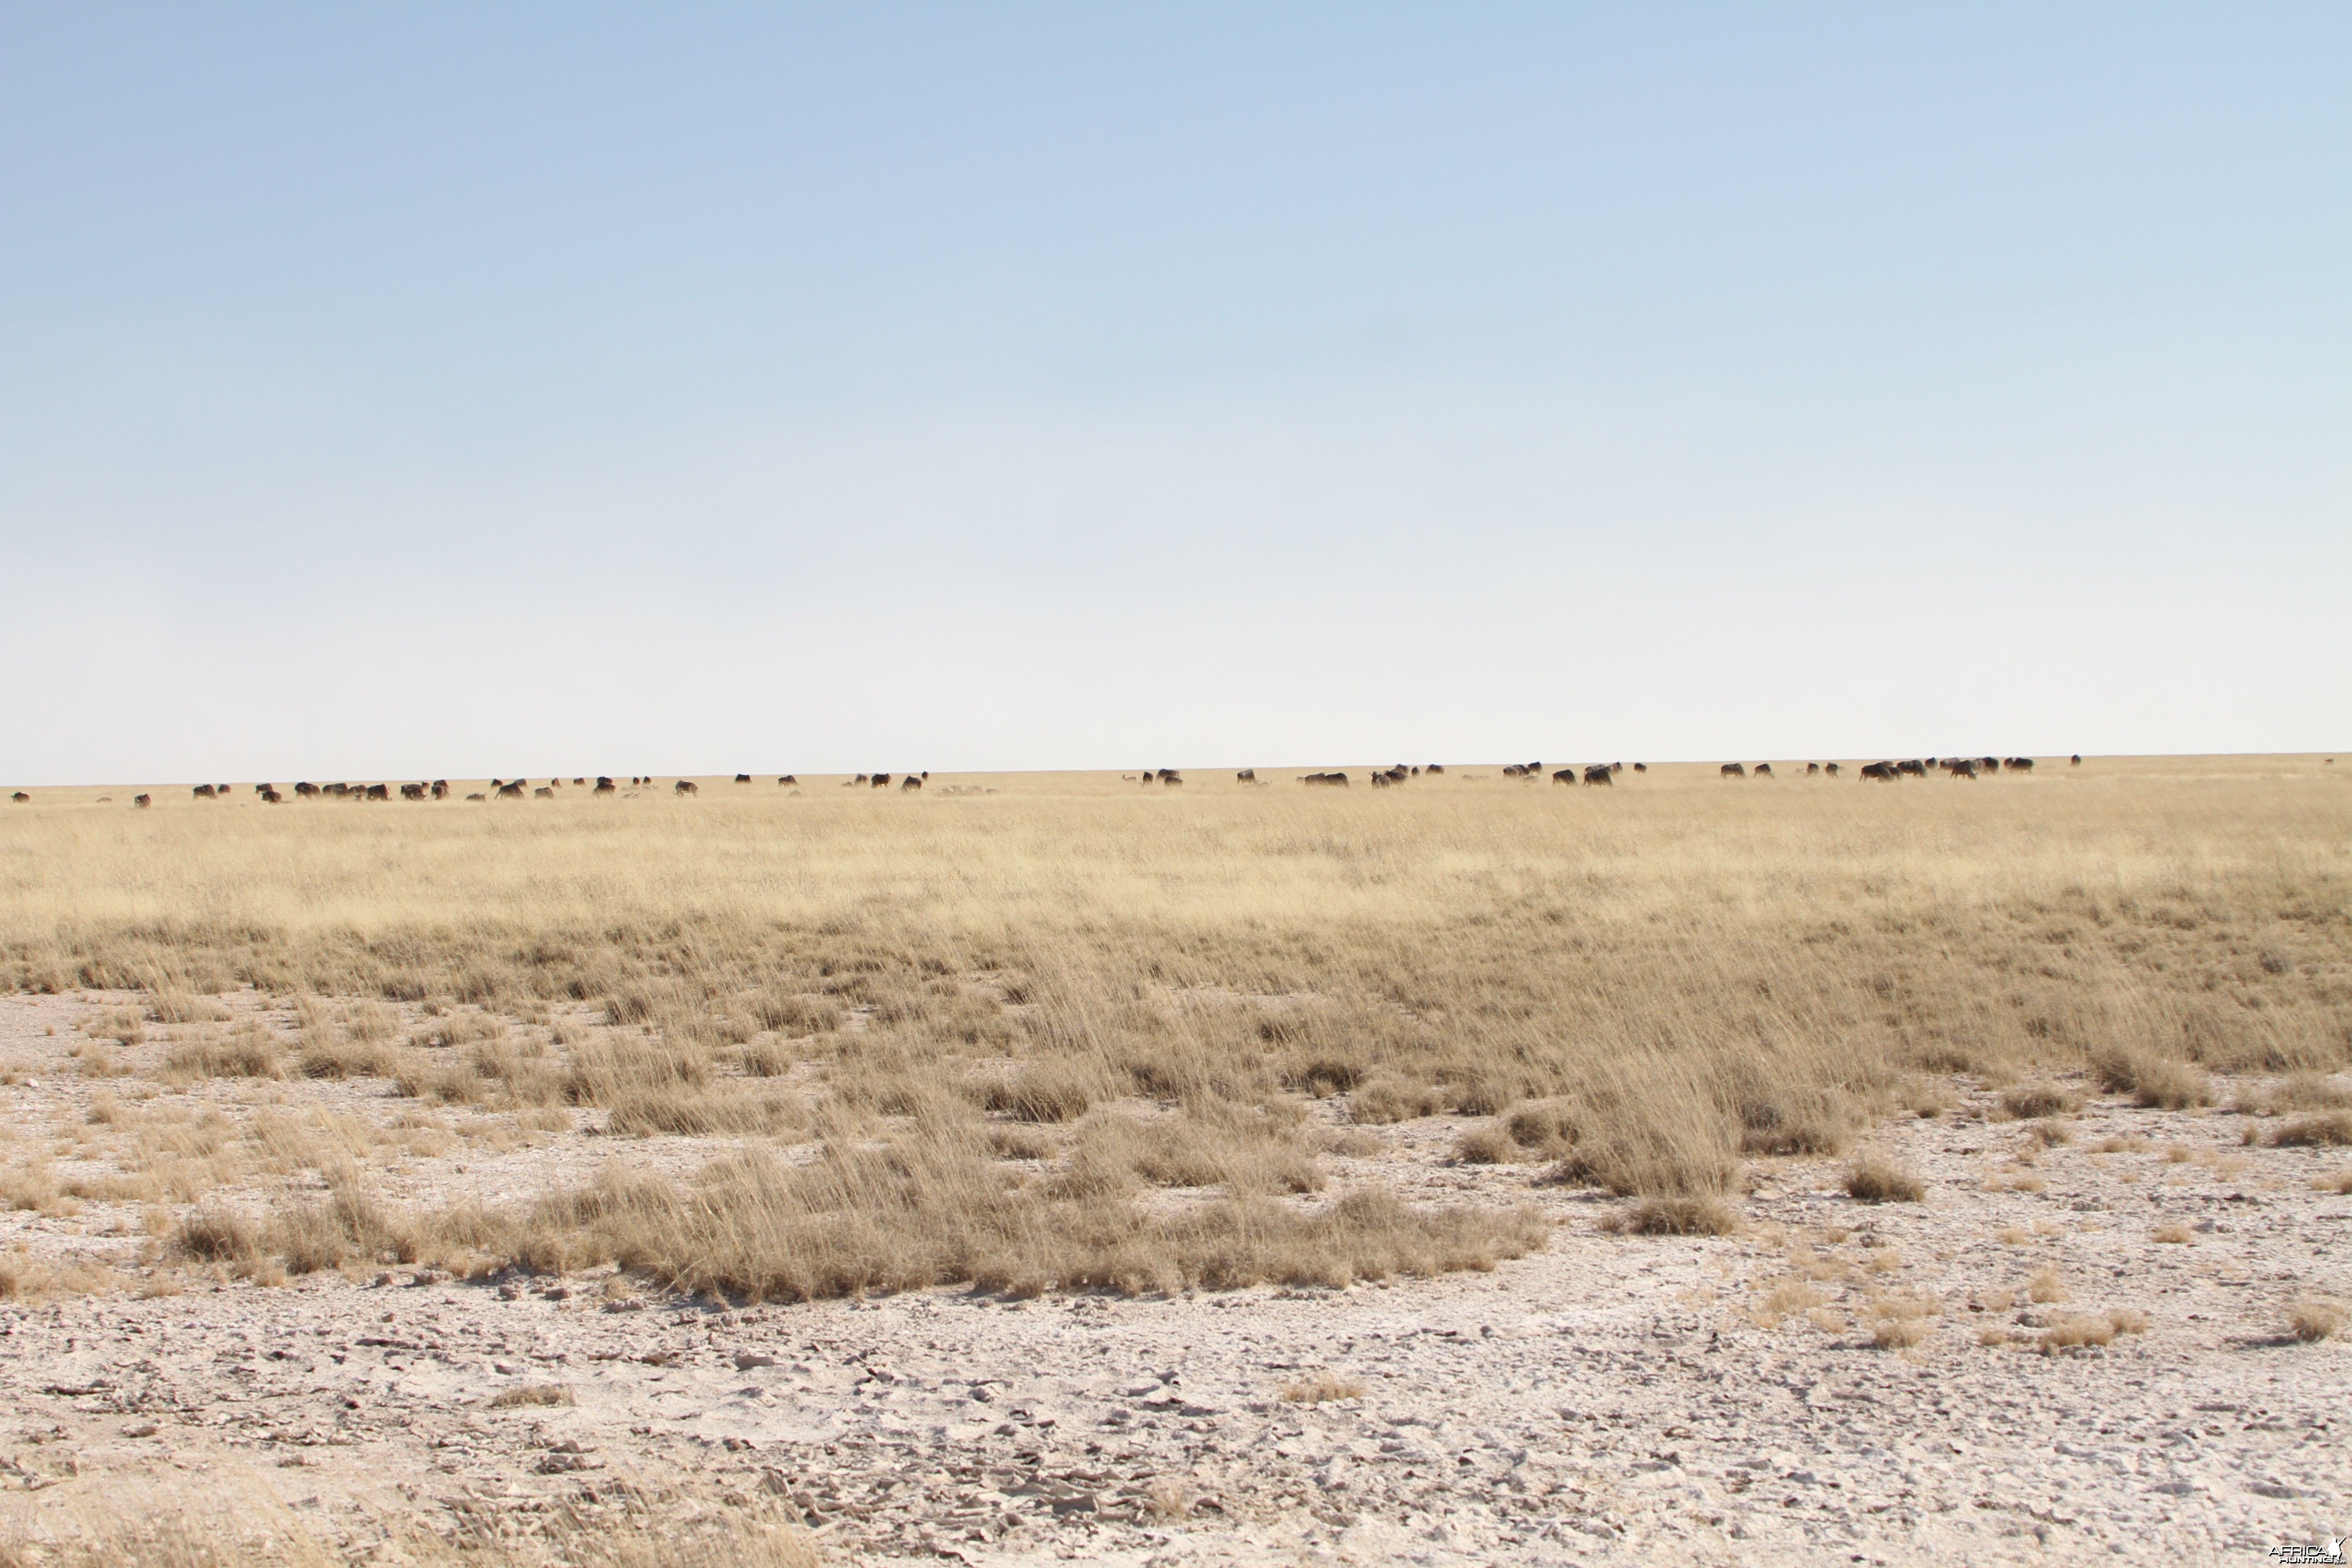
point(402, 390)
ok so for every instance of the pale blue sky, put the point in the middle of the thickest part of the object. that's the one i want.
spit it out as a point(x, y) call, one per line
point(415, 390)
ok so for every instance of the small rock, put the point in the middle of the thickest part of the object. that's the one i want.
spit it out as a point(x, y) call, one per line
point(746, 1360)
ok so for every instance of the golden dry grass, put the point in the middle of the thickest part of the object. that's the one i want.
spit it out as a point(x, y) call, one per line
point(1013, 1024)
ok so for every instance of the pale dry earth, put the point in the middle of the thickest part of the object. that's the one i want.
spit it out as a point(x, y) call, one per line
point(1610, 1399)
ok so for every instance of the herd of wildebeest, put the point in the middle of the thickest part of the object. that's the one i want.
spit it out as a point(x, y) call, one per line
point(1384, 778)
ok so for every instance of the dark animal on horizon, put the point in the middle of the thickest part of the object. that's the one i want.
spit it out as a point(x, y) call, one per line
point(440, 789)
point(847, 784)
point(263, 788)
point(788, 779)
point(1733, 771)
point(1246, 775)
point(603, 785)
point(141, 802)
point(508, 791)
point(1381, 780)
point(880, 781)
point(1831, 769)
point(1170, 776)
point(2019, 764)
point(478, 796)
point(1915, 767)
point(20, 797)
point(272, 797)
point(1599, 775)
point(1434, 768)
point(412, 791)
point(1565, 776)
point(1416, 772)
point(1989, 764)
point(1513, 771)
point(202, 791)
point(927, 775)
point(743, 778)
point(1336, 781)
point(1881, 772)
point(305, 789)
point(1763, 770)
point(910, 782)
point(2077, 760)
point(545, 791)
point(1397, 775)
point(378, 792)
point(1812, 769)
point(579, 781)
point(1961, 768)
point(684, 786)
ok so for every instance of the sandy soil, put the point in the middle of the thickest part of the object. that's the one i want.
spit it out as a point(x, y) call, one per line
point(1612, 1398)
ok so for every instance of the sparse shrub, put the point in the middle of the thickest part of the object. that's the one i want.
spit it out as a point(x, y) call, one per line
point(2173, 1235)
point(2315, 1317)
point(1675, 1216)
point(2070, 1333)
point(1317, 1388)
point(1875, 1179)
point(1325, 1076)
point(2333, 1129)
point(239, 1056)
point(2025, 1102)
point(1900, 1326)
point(1547, 1127)
point(1777, 1118)
point(1042, 1092)
point(2049, 1134)
point(768, 1059)
point(1487, 1145)
point(526, 1395)
point(332, 1058)
point(2046, 1287)
point(179, 1007)
point(218, 1236)
point(2155, 1081)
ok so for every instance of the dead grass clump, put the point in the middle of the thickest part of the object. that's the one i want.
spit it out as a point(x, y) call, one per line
point(2312, 1319)
point(1675, 1216)
point(2173, 1235)
point(2332, 1130)
point(2088, 1330)
point(2049, 1134)
point(1900, 1323)
point(1042, 1092)
point(331, 1057)
point(2128, 1144)
point(531, 1394)
point(1387, 1099)
point(1547, 1129)
point(179, 1007)
point(2025, 1102)
point(1487, 1145)
point(1875, 1179)
point(32, 1188)
point(218, 1236)
point(438, 1032)
point(1779, 1119)
point(2160, 1083)
point(2046, 1287)
point(1320, 1387)
point(1242, 1148)
point(239, 1056)
point(789, 1013)
point(2334, 1182)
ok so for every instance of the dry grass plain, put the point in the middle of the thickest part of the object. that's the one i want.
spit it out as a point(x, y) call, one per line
point(1071, 1038)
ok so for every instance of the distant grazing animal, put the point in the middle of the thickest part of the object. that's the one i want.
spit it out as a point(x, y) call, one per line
point(141, 802)
point(1599, 775)
point(603, 785)
point(20, 797)
point(440, 789)
point(510, 791)
point(378, 792)
point(543, 793)
point(1812, 769)
point(847, 784)
point(578, 781)
point(1881, 772)
point(1641, 767)
point(202, 791)
point(910, 782)
point(2077, 760)
point(1565, 776)
point(788, 779)
point(1170, 776)
point(412, 791)
point(684, 786)
point(306, 789)
point(2019, 764)
point(1416, 772)
point(1763, 770)
point(1246, 775)
point(1514, 770)
point(1962, 768)
point(1733, 771)
point(1915, 767)
point(878, 780)
point(1336, 781)
point(743, 778)
point(927, 775)
point(1989, 764)
point(1831, 769)
point(273, 797)
point(478, 796)
point(1433, 767)
point(1399, 773)
point(1381, 780)
point(262, 788)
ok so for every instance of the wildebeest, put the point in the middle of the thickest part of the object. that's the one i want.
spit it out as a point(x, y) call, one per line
point(1881, 772)
point(2018, 764)
point(1831, 769)
point(2076, 762)
point(1989, 764)
point(338, 790)
point(1915, 767)
point(272, 797)
point(787, 779)
point(141, 802)
point(1599, 774)
point(1961, 768)
point(880, 781)
point(1565, 776)
point(1416, 772)
point(1432, 767)
point(1170, 776)
point(1733, 771)
point(1763, 770)
point(1641, 767)
point(20, 797)
point(1812, 770)
point(684, 786)
point(544, 793)
point(202, 791)
point(579, 781)
point(603, 785)
point(1246, 775)
point(743, 778)
point(1514, 770)
point(305, 789)
point(1337, 781)
point(440, 789)
point(508, 791)
point(378, 792)
point(910, 782)
point(1378, 779)
point(412, 791)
